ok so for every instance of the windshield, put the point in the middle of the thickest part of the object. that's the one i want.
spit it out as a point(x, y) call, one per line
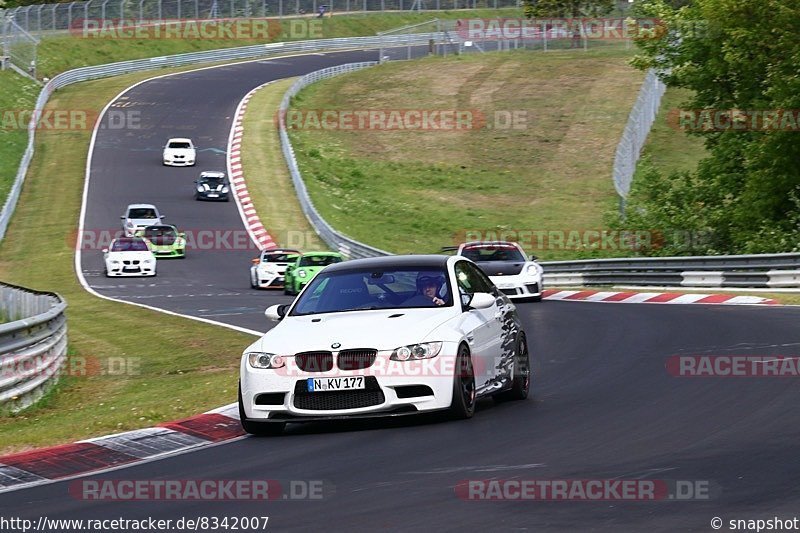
point(129, 245)
point(278, 257)
point(179, 145)
point(160, 234)
point(493, 253)
point(142, 212)
point(212, 182)
point(350, 290)
point(319, 260)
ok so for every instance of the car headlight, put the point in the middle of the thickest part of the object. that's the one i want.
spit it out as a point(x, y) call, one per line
point(199, 189)
point(148, 261)
point(424, 350)
point(532, 270)
point(301, 273)
point(114, 262)
point(225, 190)
point(265, 360)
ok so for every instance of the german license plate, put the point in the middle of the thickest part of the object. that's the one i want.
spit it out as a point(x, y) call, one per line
point(328, 384)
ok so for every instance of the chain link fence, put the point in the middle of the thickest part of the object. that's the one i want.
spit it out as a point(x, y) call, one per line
point(17, 48)
point(635, 134)
point(70, 15)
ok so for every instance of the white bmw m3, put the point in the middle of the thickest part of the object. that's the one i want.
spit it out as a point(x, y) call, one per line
point(385, 336)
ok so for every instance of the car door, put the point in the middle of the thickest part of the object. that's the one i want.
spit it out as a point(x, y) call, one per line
point(484, 327)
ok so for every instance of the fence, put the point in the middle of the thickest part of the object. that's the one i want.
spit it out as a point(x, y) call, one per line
point(33, 345)
point(759, 271)
point(17, 48)
point(635, 134)
point(64, 16)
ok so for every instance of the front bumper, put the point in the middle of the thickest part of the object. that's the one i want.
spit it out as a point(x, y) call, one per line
point(179, 162)
point(269, 280)
point(130, 271)
point(212, 196)
point(519, 287)
point(167, 253)
point(391, 390)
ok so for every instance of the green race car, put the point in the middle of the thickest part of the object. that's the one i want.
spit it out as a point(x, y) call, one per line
point(305, 267)
point(164, 240)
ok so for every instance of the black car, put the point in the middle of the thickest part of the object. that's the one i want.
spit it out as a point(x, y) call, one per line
point(212, 186)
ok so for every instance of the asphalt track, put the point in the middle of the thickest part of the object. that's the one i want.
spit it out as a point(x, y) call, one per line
point(604, 406)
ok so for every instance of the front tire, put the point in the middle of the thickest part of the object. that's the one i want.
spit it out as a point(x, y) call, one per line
point(462, 405)
point(263, 429)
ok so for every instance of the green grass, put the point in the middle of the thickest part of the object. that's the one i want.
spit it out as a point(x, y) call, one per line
point(268, 180)
point(415, 191)
point(668, 149)
point(17, 99)
point(180, 369)
point(67, 51)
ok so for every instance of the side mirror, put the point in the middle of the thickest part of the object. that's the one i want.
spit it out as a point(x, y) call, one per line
point(122, 217)
point(276, 312)
point(162, 216)
point(481, 300)
point(534, 258)
point(105, 250)
point(255, 261)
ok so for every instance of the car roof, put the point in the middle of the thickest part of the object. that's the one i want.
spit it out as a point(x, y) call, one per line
point(490, 244)
point(392, 261)
point(142, 206)
point(282, 251)
point(179, 139)
point(212, 174)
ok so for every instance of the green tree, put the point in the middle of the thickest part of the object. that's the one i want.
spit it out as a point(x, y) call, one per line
point(742, 55)
point(567, 8)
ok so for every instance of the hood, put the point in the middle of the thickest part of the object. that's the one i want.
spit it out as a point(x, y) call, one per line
point(128, 256)
point(179, 151)
point(353, 329)
point(501, 268)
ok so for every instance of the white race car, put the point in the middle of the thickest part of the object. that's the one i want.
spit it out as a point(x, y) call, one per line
point(139, 216)
point(268, 269)
point(179, 152)
point(129, 256)
point(385, 336)
point(508, 268)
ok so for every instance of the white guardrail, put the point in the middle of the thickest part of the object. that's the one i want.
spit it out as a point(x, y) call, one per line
point(33, 345)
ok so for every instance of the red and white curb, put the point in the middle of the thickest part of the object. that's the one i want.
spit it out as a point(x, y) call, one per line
point(67, 461)
point(247, 210)
point(655, 298)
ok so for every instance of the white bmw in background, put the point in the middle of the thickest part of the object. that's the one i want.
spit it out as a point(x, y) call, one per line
point(385, 336)
point(179, 152)
point(508, 268)
point(129, 256)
